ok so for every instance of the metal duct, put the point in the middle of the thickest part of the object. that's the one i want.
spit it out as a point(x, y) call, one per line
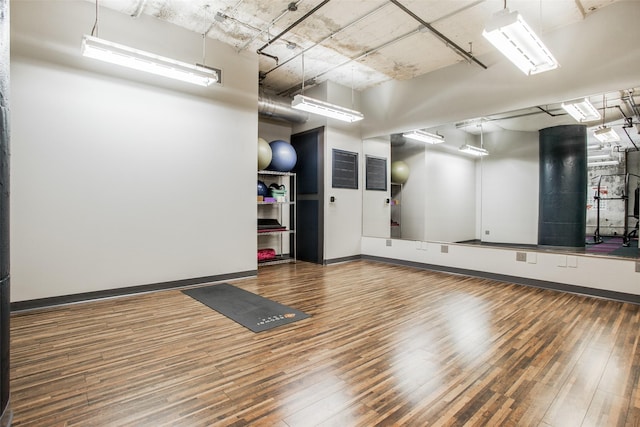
point(280, 109)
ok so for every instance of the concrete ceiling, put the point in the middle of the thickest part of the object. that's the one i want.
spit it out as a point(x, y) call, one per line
point(357, 43)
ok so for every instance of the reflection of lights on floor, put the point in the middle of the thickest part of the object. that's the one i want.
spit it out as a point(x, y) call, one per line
point(310, 404)
point(414, 363)
point(469, 329)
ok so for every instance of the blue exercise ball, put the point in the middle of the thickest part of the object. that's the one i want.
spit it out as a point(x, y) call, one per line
point(283, 156)
point(263, 190)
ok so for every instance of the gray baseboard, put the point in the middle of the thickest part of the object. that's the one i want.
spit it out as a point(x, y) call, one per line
point(562, 287)
point(118, 292)
point(343, 259)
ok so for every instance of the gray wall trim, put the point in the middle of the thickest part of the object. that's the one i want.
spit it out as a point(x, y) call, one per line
point(119, 292)
point(343, 259)
point(535, 283)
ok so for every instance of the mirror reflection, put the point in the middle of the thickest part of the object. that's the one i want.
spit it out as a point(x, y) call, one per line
point(478, 181)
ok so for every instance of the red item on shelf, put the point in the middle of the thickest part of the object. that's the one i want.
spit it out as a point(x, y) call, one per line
point(266, 254)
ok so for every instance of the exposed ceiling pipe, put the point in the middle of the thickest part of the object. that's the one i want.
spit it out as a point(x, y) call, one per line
point(290, 8)
point(139, 9)
point(448, 42)
point(631, 103)
point(289, 28)
point(630, 139)
point(329, 37)
point(279, 109)
point(314, 80)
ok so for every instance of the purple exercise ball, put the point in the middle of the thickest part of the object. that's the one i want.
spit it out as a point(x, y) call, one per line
point(283, 156)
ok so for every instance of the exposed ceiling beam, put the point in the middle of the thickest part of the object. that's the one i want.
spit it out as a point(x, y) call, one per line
point(448, 42)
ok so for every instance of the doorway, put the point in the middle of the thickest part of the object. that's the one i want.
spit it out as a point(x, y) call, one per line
point(309, 146)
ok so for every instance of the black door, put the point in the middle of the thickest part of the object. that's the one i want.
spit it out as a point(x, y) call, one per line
point(309, 195)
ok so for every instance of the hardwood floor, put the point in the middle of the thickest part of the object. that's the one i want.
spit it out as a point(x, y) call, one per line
point(386, 345)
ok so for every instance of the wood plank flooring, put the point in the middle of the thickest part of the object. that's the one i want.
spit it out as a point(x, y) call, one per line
point(385, 346)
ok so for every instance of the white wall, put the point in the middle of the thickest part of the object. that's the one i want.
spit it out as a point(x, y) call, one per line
point(343, 218)
point(118, 180)
point(595, 272)
point(510, 187)
point(376, 212)
point(449, 192)
point(272, 130)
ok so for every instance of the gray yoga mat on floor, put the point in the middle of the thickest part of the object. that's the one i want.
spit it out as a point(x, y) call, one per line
point(246, 308)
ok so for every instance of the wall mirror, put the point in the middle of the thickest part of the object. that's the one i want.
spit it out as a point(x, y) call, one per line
point(446, 195)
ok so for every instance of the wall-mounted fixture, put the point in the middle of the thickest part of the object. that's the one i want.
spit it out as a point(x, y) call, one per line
point(476, 151)
point(420, 135)
point(511, 35)
point(582, 110)
point(96, 48)
point(311, 105)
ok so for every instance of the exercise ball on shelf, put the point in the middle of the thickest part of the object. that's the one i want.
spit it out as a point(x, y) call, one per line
point(283, 156)
point(264, 154)
point(263, 190)
point(399, 172)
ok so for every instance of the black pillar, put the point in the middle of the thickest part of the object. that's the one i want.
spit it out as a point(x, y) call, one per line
point(563, 186)
point(5, 411)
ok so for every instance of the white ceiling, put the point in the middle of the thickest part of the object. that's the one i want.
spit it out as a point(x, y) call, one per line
point(357, 43)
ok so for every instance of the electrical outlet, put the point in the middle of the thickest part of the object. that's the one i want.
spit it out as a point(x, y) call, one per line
point(388, 242)
point(444, 249)
point(521, 256)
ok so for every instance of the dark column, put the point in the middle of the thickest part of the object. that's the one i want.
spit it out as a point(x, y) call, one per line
point(563, 186)
point(5, 411)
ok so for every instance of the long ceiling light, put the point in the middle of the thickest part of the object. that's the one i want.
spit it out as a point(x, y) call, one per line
point(312, 105)
point(582, 110)
point(472, 149)
point(605, 163)
point(511, 35)
point(420, 135)
point(96, 48)
point(606, 135)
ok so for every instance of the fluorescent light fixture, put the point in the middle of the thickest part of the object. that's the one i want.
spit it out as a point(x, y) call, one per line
point(582, 110)
point(599, 157)
point(311, 105)
point(96, 48)
point(476, 151)
point(605, 163)
point(420, 135)
point(511, 35)
point(606, 134)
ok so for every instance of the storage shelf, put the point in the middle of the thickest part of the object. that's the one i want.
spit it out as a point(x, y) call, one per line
point(266, 172)
point(276, 203)
point(280, 235)
point(279, 259)
point(275, 233)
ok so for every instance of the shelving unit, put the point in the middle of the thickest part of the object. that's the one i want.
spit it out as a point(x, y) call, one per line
point(282, 241)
